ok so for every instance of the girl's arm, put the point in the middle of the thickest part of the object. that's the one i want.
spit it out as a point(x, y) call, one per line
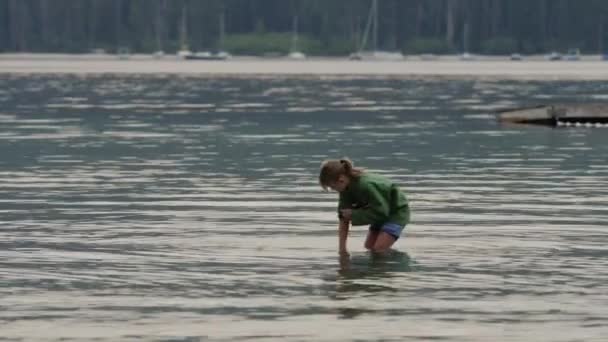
point(343, 235)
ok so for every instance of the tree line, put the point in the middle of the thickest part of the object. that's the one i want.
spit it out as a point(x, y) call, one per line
point(324, 27)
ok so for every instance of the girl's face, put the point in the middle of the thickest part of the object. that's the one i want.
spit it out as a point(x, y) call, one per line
point(340, 184)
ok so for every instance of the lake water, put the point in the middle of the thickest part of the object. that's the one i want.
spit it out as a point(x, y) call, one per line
point(164, 208)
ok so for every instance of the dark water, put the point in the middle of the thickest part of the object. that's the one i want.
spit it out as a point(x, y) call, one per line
point(187, 209)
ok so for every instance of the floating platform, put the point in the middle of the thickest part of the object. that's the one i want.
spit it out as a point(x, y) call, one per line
point(577, 115)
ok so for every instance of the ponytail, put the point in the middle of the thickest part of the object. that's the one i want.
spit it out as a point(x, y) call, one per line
point(347, 165)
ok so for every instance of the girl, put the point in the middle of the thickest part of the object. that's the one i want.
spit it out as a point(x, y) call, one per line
point(365, 198)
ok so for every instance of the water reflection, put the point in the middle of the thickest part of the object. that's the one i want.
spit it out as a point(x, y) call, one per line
point(374, 265)
point(368, 275)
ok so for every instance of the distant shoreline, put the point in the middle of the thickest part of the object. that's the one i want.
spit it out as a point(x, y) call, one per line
point(412, 67)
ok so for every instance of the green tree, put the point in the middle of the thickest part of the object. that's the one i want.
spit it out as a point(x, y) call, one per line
point(146, 25)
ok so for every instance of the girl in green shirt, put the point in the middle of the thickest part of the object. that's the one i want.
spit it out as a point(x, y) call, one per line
point(366, 199)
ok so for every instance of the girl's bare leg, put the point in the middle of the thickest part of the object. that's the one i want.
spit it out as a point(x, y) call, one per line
point(383, 242)
point(370, 240)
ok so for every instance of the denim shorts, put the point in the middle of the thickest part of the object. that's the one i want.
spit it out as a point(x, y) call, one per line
point(393, 229)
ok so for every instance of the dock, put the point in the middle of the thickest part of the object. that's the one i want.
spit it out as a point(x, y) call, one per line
point(561, 115)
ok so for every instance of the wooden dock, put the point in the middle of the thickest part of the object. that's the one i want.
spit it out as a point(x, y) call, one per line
point(563, 115)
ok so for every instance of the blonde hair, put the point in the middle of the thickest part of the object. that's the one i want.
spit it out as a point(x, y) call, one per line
point(332, 169)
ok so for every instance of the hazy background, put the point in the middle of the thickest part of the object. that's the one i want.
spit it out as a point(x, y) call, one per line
point(326, 27)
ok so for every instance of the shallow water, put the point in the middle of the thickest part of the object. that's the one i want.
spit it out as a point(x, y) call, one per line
point(186, 209)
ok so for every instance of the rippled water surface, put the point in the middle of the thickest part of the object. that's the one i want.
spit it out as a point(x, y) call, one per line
point(187, 209)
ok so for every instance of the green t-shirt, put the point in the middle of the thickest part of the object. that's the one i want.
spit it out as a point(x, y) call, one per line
point(374, 200)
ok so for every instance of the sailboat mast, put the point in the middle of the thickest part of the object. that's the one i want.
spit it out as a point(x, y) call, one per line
point(368, 27)
point(184, 29)
point(465, 37)
point(375, 9)
point(159, 25)
point(294, 39)
point(222, 31)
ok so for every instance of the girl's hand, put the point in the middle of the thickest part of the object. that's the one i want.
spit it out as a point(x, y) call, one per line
point(347, 214)
point(344, 260)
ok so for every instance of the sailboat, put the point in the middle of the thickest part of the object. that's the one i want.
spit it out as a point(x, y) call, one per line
point(221, 53)
point(466, 56)
point(295, 53)
point(159, 28)
point(184, 51)
point(375, 54)
point(186, 54)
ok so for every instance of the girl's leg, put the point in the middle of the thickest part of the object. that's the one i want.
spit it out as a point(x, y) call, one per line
point(370, 240)
point(384, 241)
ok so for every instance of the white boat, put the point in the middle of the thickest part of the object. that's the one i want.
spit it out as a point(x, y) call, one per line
point(221, 54)
point(186, 54)
point(295, 53)
point(374, 54)
point(467, 57)
point(554, 56)
point(573, 55)
point(184, 51)
point(123, 53)
point(428, 57)
point(206, 56)
point(377, 56)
